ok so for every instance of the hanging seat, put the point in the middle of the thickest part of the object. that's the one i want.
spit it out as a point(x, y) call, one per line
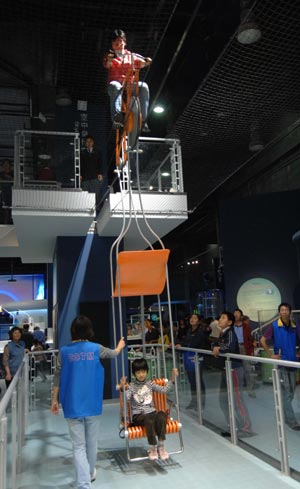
point(141, 272)
point(132, 432)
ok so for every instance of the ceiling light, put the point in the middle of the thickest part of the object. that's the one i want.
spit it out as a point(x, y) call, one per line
point(255, 146)
point(63, 99)
point(44, 156)
point(165, 174)
point(158, 109)
point(248, 33)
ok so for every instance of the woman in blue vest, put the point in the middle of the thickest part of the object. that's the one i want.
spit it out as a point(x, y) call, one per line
point(79, 380)
point(13, 354)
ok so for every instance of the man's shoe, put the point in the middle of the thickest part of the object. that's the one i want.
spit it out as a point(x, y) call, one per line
point(145, 127)
point(94, 475)
point(294, 426)
point(252, 394)
point(118, 120)
point(246, 434)
point(225, 434)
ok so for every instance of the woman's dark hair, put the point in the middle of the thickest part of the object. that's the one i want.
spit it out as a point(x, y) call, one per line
point(82, 329)
point(139, 364)
point(12, 330)
point(118, 33)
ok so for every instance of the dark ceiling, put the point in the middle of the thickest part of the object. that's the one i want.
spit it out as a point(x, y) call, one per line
point(218, 93)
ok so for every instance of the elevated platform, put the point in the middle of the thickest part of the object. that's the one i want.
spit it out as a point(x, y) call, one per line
point(40, 216)
point(165, 211)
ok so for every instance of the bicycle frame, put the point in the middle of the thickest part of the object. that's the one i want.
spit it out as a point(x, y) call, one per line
point(132, 120)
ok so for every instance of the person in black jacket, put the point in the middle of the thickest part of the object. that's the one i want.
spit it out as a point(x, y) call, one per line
point(195, 338)
point(228, 343)
point(27, 336)
point(91, 174)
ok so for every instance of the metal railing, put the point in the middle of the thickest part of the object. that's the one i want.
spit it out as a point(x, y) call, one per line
point(13, 414)
point(21, 397)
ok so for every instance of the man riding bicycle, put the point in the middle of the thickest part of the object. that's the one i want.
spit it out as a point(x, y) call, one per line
point(118, 61)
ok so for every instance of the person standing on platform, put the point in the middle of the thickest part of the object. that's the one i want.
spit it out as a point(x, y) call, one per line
point(285, 334)
point(246, 345)
point(13, 354)
point(78, 385)
point(91, 173)
point(228, 343)
point(195, 338)
point(27, 336)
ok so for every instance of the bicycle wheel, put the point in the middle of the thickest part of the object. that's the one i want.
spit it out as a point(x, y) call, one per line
point(134, 123)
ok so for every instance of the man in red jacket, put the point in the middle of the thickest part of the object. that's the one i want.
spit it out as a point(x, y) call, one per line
point(246, 344)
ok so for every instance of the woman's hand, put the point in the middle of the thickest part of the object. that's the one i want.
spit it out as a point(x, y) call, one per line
point(121, 345)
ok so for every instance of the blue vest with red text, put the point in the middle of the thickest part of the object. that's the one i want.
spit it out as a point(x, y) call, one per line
point(82, 380)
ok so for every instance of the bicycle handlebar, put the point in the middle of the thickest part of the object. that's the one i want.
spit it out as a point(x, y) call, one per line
point(142, 58)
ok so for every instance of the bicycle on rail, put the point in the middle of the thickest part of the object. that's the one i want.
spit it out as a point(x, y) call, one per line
point(127, 136)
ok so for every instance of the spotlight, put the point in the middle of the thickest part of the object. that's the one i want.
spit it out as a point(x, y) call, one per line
point(248, 31)
point(158, 109)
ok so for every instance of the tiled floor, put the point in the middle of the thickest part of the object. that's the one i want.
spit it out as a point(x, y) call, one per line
point(208, 461)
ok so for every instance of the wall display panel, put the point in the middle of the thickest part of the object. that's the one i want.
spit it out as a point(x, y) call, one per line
point(21, 288)
point(258, 294)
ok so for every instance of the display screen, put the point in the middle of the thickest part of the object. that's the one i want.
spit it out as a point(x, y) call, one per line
point(21, 288)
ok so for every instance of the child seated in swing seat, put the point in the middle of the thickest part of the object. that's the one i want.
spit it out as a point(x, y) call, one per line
point(140, 394)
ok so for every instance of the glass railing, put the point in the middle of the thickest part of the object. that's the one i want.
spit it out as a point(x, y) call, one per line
point(216, 394)
point(256, 417)
point(249, 410)
point(30, 388)
point(159, 165)
point(13, 414)
point(46, 159)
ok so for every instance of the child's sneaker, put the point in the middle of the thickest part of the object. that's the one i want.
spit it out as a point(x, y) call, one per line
point(163, 453)
point(152, 453)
